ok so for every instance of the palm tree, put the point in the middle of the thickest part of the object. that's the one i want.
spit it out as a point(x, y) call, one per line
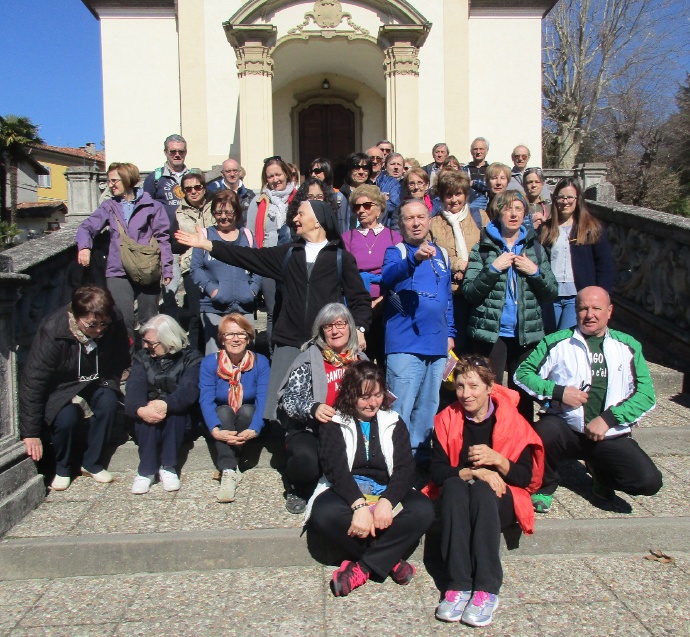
point(15, 132)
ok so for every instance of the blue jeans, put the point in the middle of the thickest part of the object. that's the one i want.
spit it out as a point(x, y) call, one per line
point(564, 310)
point(416, 381)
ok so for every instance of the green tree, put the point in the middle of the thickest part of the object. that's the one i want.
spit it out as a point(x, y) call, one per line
point(15, 133)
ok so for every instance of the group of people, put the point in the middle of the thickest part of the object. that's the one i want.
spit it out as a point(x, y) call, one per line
point(375, 294)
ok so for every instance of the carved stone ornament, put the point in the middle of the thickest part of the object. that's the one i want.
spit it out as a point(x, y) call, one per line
point(401, 60)
point(254, 59)
point(327, 14)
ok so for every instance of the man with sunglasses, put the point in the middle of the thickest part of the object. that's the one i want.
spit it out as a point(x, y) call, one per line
point(521, 156)
point(165, 185)
point(420, 329)
point(598, 386)
point(231, 179)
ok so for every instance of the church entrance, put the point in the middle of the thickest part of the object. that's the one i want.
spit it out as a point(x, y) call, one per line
point(326, 130)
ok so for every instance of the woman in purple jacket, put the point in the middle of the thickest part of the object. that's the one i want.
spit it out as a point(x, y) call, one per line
point(141, 217)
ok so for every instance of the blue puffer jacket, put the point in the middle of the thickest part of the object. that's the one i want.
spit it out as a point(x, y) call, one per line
point(237, 288)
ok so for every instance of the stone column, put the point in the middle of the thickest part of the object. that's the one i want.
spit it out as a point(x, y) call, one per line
point(83, 192)
point(21, 487)
point(401, 45)
point(253, 45)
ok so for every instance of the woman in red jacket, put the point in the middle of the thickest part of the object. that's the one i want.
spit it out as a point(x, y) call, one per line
point(488, 460)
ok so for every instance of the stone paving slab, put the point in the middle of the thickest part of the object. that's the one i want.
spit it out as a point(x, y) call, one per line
point(557, 597)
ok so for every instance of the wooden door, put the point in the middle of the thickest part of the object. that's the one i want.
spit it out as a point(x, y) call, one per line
point(326, 130)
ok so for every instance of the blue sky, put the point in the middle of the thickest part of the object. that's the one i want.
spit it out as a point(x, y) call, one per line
point(51, 69)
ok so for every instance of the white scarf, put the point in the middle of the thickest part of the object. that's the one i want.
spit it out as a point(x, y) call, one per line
point(277, 209)
point(454, 220)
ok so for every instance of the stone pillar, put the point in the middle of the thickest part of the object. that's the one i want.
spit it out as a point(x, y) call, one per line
point(401, 45)
point(83, 192)
point(21, 487)
point(594, 183)
point(253, 45)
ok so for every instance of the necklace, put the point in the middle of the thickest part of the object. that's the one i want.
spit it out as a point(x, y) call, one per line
point(373, 243)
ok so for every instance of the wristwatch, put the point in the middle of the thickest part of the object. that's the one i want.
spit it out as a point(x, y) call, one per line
point(361, 329)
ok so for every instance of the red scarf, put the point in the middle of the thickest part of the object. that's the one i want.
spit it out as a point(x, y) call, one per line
point(228, 371)
point(512, 433)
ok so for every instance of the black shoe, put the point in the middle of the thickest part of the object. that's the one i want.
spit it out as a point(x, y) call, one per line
point(294, 503)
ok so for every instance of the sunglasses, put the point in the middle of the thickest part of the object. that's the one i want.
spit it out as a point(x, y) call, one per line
point(276, 157)
point(375, 160)
point(196, 188)
point(367, 205)
point(174, 153)
point(360, 169)
point(316, 170)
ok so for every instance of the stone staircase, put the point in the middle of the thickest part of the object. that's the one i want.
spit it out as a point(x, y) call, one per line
point(93, 529)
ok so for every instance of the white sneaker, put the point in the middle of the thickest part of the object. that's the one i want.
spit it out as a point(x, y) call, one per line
point(228, 485)
point(60, 483)
point(103, 476)
point(169, 479)
point(141, 484)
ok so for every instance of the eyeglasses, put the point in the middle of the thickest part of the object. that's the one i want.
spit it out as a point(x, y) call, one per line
point(148, 343)
point(360, 169)
point(408, 168)
point(232, 336)
point(520, 156)
point(316, 170)
point(367, 205)
point(196, 188)
point(276, 157)
point(564, 199)
point(338, 325)
point(112, 182)
point(222, 214)
point(92, 326)
point(417, 185)
point(173, 153)
point(375, 160)
point(477, 361)
point(314, 197)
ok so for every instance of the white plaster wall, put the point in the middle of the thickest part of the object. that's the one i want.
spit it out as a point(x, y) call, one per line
point(141, 88)
point(510, 114)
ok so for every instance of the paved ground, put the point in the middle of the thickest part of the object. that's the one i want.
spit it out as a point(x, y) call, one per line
point(621, 595)
point(183, 564)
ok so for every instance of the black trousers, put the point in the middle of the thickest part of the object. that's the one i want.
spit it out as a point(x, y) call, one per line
point(302, 469)
point(193, 295)
point(506, 354)
point(619, 463)
point(331, 516)
point(231, 421)
point(472, 517)
point(65, 433)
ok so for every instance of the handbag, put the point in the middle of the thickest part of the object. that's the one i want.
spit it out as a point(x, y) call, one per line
point(142, 263)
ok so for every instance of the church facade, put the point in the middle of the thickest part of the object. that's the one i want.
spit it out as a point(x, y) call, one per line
point(303, 79)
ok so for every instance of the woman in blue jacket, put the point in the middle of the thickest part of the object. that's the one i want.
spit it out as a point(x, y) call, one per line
point(224, 288)
point(233, 385)
point(579, 253)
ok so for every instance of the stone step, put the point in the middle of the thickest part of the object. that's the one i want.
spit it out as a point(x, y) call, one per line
point(122, 553)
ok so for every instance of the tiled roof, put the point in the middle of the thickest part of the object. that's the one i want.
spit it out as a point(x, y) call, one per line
point(31, 209)
point(99, 156)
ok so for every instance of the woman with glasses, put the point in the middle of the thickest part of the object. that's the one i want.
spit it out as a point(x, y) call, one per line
point(267, 220)
point(365, 504)
point(415, 185)
point(368, 243)
point(233, 384)
point(578, 250)
point(70, 384)
point(321, 168)
point(224, 288)
point(506, 282)
point(358, 169)
point(308, 393)
point(161, 397)
point(134, 213)
point(193, 211)
point(533, 183)
point(486, 460)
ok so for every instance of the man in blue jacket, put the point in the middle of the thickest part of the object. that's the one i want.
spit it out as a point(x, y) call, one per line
point(419, 324)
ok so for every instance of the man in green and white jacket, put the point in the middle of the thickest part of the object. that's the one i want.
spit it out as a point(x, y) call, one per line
point(598, 386)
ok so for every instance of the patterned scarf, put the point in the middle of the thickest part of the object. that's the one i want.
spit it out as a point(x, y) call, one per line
point(339, 360)
point(227, 371)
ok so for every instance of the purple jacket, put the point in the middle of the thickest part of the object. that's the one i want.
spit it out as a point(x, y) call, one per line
point(149, 218)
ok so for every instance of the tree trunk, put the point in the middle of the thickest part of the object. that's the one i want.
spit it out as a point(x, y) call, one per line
point(567, 148)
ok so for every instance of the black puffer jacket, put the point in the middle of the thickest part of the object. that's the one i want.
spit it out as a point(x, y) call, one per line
point(50, 379)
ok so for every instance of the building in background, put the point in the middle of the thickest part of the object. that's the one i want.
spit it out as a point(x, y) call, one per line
point(250, 80)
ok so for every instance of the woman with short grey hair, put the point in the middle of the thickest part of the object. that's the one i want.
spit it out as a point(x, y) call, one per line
point(308, 393)
point(162, 390)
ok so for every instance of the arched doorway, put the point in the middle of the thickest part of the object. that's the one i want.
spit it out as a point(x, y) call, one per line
point(326, 130)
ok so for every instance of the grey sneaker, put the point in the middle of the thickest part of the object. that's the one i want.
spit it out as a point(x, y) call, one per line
point(228, 486)
point(453, 605)
point(480, 610)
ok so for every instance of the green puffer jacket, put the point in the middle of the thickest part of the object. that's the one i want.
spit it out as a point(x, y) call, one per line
point(485, 289)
